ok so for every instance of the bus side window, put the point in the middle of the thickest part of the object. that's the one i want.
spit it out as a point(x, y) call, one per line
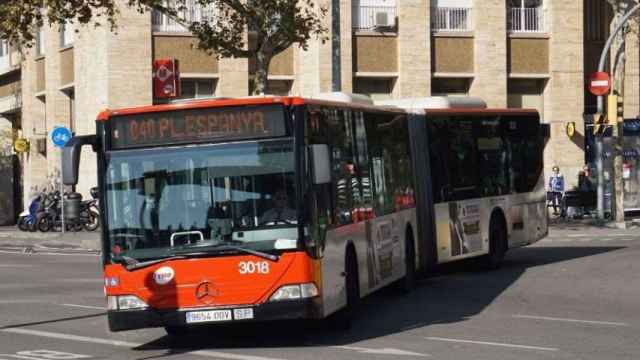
point(462, 159)
point(390, 165)
point(493, 159)
point(345, 184)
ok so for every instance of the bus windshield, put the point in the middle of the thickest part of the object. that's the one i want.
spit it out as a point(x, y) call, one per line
point(164, 201)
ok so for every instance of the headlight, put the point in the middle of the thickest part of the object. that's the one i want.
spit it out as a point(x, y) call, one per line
point(293, 292)
point(125, 302)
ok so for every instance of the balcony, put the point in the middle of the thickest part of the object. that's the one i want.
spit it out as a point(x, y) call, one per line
point(451, 19)
point(373, 17)
point(526, 20)
point(194, 13)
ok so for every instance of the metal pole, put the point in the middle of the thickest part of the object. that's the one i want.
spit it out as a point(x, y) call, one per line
point(336, 59)
point(600, 107)
point(61, 197)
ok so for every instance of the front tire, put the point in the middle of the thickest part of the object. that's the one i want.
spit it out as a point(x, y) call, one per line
point(344, 318)
point(408, 282)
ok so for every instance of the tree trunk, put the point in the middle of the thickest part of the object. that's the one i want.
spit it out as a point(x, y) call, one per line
point(263, 60)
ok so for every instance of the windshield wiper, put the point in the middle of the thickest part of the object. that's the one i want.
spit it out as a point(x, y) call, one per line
point(261, 254)
point(132, 264)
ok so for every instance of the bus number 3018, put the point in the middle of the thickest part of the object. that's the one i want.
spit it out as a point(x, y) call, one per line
point(251, 267)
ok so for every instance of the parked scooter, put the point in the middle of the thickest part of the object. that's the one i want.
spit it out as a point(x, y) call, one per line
point(28, 219)
point(86, 213)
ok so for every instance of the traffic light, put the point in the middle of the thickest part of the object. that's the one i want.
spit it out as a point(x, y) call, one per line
point(599, 124)
point(613, 110)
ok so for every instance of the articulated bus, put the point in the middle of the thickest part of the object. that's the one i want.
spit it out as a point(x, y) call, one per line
point(237, 210)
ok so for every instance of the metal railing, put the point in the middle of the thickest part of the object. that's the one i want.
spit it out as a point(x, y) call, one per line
point(194, 13)
point(451, 19)
point(529, 20)
point(365, 17)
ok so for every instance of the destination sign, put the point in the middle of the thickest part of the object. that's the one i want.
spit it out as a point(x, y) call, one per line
point(197, 125)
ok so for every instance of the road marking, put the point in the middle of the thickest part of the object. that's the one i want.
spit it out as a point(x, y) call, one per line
point(384, 351)
point(14, 266)
point(515, 346)
point(84, 306)
point(126, 344)
point(570, 320)
point(19, 252)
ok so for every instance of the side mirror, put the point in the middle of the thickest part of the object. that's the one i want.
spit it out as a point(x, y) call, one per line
point(321, 163)
point(71, 157)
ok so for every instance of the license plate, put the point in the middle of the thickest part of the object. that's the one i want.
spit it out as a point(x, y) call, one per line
point(208, 316)
point(243, 314)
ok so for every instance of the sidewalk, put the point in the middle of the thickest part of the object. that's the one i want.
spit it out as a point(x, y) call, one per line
point(11, 238)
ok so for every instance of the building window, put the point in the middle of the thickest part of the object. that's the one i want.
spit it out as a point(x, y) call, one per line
point(280, 87)
point(451, 15)
point(376, 88)
point(66, 35)
point(373, 14)
point(4, 54)
point(526, 94)
point(450, 86)
point(526, 16)
point(40, 42)
point(193, 12)
point(197, 88)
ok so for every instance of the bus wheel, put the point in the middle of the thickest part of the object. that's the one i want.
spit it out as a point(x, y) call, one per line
point(408, 282)
point(497, 244)
point(342, 319)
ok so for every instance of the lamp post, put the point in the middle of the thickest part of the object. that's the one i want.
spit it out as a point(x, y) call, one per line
point(600, 107)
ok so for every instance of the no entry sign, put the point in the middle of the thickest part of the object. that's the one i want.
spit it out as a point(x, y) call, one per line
point(599, 83)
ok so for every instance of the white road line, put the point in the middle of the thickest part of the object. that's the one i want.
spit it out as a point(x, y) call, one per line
point(84, 306)
point(14, 266)
point(126, 344)
point(17, 252)
point(515, 346)
point(533, 317)
point(383, 351)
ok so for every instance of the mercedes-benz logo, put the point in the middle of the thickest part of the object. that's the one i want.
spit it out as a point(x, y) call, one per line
point(205, 292)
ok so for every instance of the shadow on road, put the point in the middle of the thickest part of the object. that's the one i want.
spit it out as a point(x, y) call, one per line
point(51, 321)
point(451, 294)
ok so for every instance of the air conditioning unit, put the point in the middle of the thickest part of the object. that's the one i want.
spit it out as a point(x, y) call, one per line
point(382, 19)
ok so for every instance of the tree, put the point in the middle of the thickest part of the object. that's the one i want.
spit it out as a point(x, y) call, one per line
point(276, 24)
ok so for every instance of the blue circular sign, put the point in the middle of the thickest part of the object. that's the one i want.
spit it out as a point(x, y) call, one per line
point(60, 136)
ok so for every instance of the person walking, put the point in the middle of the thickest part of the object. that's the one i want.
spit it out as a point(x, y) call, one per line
point(556, 187)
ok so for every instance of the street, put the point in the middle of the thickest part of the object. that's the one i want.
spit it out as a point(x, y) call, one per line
point(574, 295)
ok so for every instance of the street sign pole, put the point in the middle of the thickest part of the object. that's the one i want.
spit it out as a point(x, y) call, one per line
point(62, 196)
point(599, 84)
point(60, 136)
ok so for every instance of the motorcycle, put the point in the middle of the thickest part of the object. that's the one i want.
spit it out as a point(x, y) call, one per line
point(88, 218)
point(28, 219)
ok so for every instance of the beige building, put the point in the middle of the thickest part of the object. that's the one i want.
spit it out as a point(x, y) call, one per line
point(511, 53)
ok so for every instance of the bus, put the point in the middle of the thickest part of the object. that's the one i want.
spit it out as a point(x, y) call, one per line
point(270, 208)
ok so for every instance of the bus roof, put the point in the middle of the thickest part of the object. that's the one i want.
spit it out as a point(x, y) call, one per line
point(436, 102)
point(433, 105)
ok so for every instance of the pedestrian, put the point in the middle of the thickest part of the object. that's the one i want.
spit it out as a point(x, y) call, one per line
point(556, 187)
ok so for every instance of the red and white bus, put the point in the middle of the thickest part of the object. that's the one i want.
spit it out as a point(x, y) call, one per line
point(272, 208)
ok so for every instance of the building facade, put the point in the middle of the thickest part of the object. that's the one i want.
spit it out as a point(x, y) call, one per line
point(512, 53)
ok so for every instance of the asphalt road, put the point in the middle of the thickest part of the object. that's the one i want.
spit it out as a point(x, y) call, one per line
point(575, 295)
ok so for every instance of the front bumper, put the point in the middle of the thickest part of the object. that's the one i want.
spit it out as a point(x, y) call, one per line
point(148, 318)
